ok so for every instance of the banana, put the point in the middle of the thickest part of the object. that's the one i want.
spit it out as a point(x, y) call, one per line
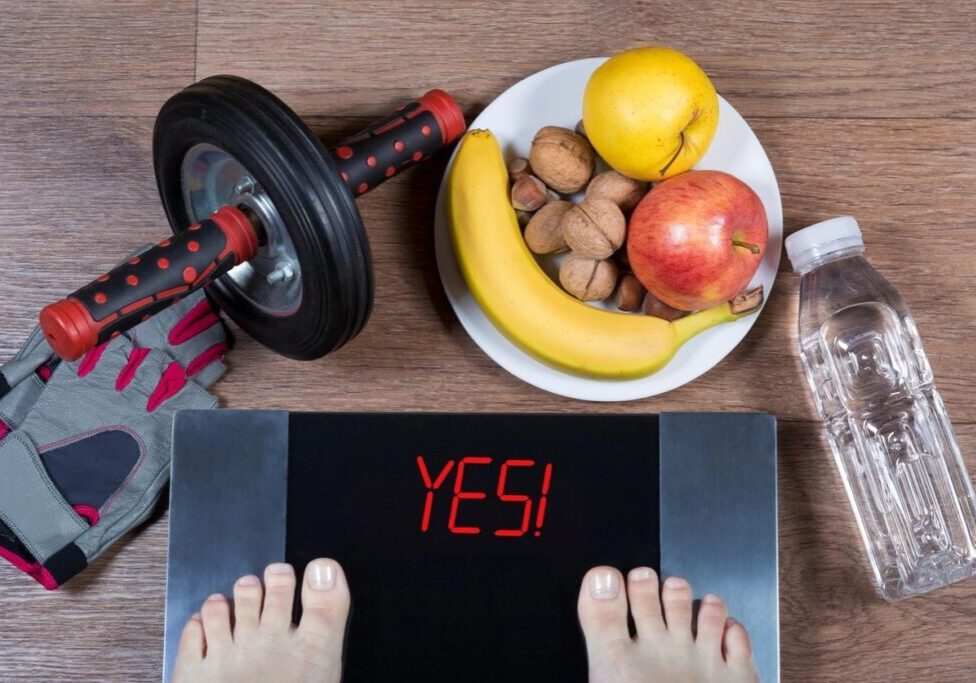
point(526, 305)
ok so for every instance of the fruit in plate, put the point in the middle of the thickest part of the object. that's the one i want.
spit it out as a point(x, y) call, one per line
point(525, 304)
point(650, 112)
point(697, 239)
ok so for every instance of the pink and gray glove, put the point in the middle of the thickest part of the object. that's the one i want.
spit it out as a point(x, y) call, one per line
point(85, 446)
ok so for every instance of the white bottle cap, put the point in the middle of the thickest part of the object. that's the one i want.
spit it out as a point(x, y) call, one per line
point(823, 238)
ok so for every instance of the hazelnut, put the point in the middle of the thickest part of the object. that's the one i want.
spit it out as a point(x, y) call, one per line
point(630, 293)
point(561, 158)
point(528, 193)
point(587, 279)
point(518, 168)
point(543, 234)
point(523, 217)
point(580, 129)
point(623, 191)
point(657, 308)
point(594, 228)
point(553, 196)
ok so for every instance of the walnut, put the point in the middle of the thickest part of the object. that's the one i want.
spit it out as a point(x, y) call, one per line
point(587, 279)
point(623, 191)
point(543, 234)
point(562, 159)
point(594, 228)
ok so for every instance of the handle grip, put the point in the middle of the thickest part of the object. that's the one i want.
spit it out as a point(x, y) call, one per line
point(134, 290)
point(394, 144)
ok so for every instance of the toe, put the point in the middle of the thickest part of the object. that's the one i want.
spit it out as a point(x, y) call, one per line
point(602, 610)
point(645, 601)
point(191, 649)
point(215, 615)
point(676, 598)
point(279, 596)
point(736, 645)
point(247, 604)
point(325, 607)
point(711, 626)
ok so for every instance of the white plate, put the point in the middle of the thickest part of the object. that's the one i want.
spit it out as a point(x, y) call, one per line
point(555, 97)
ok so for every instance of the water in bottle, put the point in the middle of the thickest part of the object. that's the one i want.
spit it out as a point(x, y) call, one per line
point(885, 421)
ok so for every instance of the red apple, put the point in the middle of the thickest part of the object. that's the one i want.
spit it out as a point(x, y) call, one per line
point(697, 239)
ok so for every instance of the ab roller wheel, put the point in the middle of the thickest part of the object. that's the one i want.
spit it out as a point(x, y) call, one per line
point(262, 215)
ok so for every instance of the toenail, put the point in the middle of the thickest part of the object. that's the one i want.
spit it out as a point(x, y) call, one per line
point(321, 575)
point(712, 598)
point(729, 621)
point(641, 574)
point(675, 582)
point(279, 568)
point(215, 597)
point(604, 585)
point(249, 580)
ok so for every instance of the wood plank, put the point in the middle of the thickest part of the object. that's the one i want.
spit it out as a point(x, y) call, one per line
point(101, 58)
point(803, 58)
point(76, 195)
point(105, 625)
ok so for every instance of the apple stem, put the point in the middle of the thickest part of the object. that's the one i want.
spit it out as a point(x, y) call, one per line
point(681, 146)
point(754, 248)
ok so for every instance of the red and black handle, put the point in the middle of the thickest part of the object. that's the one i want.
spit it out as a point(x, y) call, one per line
point(411, 134)
point(178, 265)
point(143, 285)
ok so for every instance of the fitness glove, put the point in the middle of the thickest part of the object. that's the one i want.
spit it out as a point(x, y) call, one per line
point(85, 446)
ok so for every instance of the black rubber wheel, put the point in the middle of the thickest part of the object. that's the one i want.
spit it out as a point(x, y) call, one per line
point(300, 178)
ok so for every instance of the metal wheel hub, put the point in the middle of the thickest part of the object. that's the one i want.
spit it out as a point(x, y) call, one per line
point(272, 280)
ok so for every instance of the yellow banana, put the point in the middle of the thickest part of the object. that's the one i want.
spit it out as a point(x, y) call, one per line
point(525, 304)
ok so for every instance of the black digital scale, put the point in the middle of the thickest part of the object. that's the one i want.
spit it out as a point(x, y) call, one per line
point(465, 537)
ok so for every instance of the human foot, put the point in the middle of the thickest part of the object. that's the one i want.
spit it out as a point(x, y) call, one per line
point(664, 650)
point(260, 643)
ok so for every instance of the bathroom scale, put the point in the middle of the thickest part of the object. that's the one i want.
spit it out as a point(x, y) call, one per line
point(464, 538)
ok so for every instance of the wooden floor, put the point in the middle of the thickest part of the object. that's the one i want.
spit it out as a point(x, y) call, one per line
point(867, 108)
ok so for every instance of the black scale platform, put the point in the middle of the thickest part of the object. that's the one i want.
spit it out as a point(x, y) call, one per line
point(464, 537)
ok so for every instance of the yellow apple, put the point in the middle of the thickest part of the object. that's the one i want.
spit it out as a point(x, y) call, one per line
point(650, 112)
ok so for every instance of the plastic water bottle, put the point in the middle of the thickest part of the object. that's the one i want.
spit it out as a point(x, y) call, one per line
point(886, 423)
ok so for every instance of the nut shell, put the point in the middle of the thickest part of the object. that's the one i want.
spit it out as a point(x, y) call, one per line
point(528, 193)
point(625, 192)
point(518, 168)
point(562, 159)
point(594, 228)
point(657, 308)
point(587, 279)
point(629, 294)
point(543, 234)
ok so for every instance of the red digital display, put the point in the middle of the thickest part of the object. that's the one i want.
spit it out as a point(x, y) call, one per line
point(437, 494)
point(465, 537)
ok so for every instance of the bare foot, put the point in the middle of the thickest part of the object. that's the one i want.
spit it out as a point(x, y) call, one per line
point(665, 650)
point(261, 644)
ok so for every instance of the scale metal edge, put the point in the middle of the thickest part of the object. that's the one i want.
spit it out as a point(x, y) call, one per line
point(232, 461)
point(700, 523)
